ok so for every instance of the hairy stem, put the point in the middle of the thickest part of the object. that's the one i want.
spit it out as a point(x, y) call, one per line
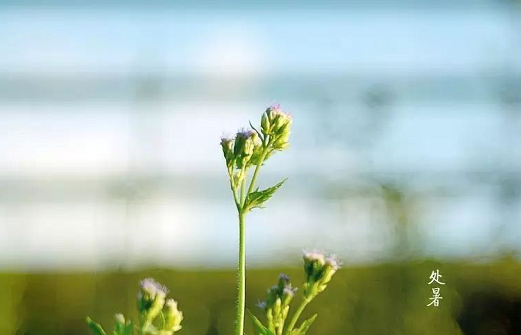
point(241, 277)
point(296, 316)
point(243, 188)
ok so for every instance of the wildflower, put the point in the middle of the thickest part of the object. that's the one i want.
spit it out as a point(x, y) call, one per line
point(252, 148)
point(319, 269)
point(151, 299)
point(277, 125)
point(243, 147)
point(277, 303)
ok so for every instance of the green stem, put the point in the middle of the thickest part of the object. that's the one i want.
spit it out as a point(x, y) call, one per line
point(241, 278)
point(296, 316)
point(243, 188)
point(163, 320)
point(257, 168)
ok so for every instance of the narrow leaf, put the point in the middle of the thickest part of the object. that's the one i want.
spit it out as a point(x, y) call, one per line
point(95, 327)
point(304, 327)
point(259, 327)
point(129, 328)
point(257, 198)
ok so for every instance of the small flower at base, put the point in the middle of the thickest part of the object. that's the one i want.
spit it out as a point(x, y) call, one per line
point(119, 318)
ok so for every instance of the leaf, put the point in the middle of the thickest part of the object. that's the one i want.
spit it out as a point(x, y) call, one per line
point(257, 198)
point(95, 327)
point(129, 328)
point(259, 327)
point(304, 326)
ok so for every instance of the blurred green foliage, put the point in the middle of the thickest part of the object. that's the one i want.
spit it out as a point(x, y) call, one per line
point(379, 299)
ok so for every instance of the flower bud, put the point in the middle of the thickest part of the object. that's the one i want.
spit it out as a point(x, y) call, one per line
point(265, 123)
point(244, 147)
point(119, 318)
point(277, 302)
point(120, 324)
point(287, 295)
point(281, 142)
point(173, 316)
point(279, 127)
point(227, 146)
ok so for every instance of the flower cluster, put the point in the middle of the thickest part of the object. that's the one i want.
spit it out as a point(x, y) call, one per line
point(277, 124)
point(158, 315)
point(277, 303)
point(251, 147)
point(318, 271)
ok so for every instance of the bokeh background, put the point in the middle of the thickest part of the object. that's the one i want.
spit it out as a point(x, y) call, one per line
point(405, 158)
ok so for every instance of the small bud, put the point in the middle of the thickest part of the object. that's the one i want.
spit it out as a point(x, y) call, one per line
point(119, 318)
point(265, 124)
point(244, 147)
point(120, 324)
point(227, 146)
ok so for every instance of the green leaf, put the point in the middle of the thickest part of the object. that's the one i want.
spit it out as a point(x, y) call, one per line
point(129, 328)
point(259, 327)
point(123, 329)
point(95, 327)
point(304, 327)
point(257, 198)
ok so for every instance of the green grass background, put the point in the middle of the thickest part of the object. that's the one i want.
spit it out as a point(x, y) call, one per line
point(380, 299)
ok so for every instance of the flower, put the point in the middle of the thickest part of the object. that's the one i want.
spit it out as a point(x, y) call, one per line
point(151, 299)
point(262, 305)
point(227, 146)
point(319, 268)
point(277, 125)
point(244, 146)
point(151, 289)
point(333, 261)
point(120, 319)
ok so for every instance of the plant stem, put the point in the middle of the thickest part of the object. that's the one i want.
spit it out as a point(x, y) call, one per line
point(243, 189)
point(241, 277)
point(295, 317)
point(257, 168)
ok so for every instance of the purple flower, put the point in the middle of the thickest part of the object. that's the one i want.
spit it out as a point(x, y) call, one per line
point(152, 287)
point(245, 133)
point(333, 261)
point(262, 305)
